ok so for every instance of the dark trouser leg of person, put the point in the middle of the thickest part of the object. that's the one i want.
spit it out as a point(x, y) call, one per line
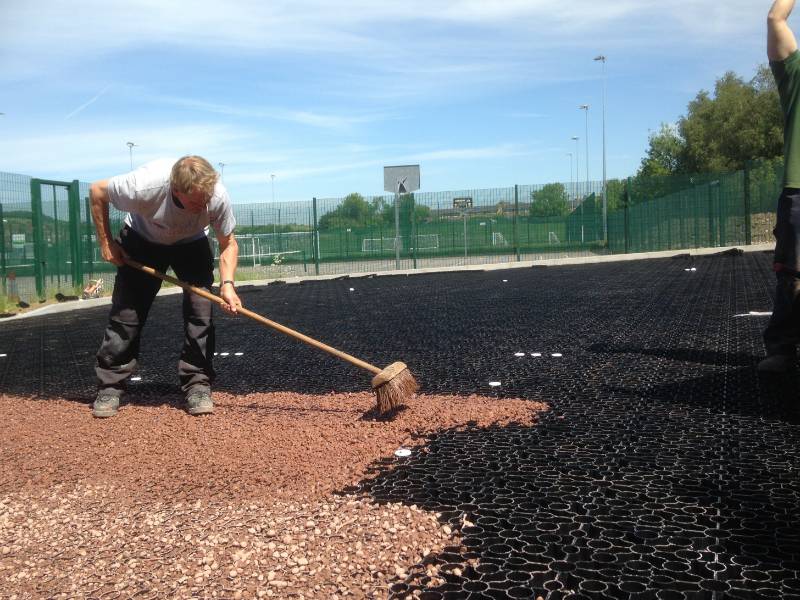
point(132, 298)
point(194, 263)
point(783, 331)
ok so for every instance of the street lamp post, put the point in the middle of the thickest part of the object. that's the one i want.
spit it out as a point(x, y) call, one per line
point(601, 58)
point(571, 182)
point(575, 139)
point(585, 107)
point(130, 150)
point(274, 225)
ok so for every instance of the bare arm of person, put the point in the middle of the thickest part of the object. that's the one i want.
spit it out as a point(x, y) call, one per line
point(110, 249)
point(781, 43)
point(228, 259)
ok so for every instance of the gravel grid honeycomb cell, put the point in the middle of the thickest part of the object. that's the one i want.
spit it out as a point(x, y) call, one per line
point(666, 468)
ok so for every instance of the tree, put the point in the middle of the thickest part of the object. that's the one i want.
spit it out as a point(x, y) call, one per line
point(379, 203)
point(421, 212)
point(664, 155)
point(741, 121)
point(550, 201)
point(354, 211)
point(615, 194)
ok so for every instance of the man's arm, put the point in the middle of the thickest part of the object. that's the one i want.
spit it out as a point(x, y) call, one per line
point(228, 259)
point(781, 43)
point(111, 251)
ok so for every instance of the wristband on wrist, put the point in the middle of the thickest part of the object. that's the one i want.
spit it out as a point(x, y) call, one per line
point(227, 281)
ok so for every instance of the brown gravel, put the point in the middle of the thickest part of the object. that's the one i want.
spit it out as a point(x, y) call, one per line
point(154, 503)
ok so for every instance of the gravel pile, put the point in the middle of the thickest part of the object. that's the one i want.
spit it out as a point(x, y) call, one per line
point(154, 503)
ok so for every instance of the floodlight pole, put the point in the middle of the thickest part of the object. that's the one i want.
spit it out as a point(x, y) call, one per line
point(585, 107)
point(130, 150)
point(602, 59)
point(576, 139)
point(577, 179)
point(274, 228)
point(586, 137)
point(571, 182)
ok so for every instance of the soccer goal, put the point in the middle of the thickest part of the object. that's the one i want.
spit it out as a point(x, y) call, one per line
point(381, 244)
point(428, 241)
point(258, 248)
point(498, 239)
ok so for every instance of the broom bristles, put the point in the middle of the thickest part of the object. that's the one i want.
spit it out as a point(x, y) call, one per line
point(393, 393)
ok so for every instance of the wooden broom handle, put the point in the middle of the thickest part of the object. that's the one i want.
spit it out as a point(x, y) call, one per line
point(255, 316)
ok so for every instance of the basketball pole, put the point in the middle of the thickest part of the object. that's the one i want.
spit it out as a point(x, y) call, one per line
point(397, 224)
point(400, 179)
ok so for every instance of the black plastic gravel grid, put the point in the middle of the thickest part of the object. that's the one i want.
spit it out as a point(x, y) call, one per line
point(665, 469)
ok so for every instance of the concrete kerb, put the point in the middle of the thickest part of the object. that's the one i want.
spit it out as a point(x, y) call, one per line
point(547, 262)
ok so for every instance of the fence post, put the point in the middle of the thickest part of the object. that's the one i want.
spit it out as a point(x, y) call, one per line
point(712, 235)
point(3, 248)
point(38, 235)
point(315, 239)
point(696, 204)
point(414, 230)
point(723, 215)
point(626, 224)
point(89, 245)
point(57, 244)
point(747, 217)
point(253, 240)
point(516, 218)
point(75, 233)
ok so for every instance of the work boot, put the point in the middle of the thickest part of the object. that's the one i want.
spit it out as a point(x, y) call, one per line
point(106, 404)
point(199, 402)
point(777, 363)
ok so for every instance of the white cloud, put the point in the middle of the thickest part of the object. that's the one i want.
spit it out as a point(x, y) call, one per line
point(306, 88)
point(303, 166)
point(431, 36)
point(314, 119)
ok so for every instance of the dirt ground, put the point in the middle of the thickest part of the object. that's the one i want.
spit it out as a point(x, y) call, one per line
point(154, 503)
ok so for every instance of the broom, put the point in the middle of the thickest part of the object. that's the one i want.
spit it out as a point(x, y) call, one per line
point(392, 385)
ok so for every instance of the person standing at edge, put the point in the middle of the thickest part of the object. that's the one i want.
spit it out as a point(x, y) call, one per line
point(170, 206)
point(783, 331)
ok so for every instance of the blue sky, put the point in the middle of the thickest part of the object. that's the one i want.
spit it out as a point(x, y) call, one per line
point(324, 94)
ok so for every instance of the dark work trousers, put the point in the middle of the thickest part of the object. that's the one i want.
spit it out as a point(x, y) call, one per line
point(783, 331)
point(133, 296)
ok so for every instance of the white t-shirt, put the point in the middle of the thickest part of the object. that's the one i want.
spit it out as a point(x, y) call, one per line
point(146, 196)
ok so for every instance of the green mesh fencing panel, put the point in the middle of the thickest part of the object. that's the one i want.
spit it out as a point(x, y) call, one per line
point(359, 233)
point(763, 188)
point(697, 211)
point(16, 247)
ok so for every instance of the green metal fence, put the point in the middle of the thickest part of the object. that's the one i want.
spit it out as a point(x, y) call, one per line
point(47, 240)
point(697, 211)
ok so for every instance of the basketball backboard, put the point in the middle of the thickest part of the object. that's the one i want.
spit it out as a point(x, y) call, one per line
point(402, 179)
